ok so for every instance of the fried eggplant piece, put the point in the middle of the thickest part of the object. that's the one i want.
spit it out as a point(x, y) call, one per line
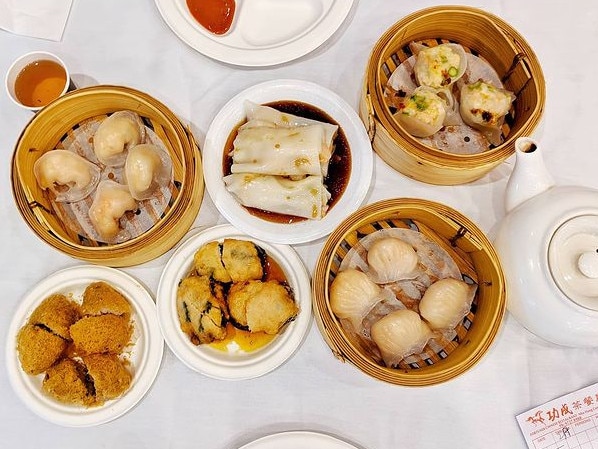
point(242, 259)
point(207, 261)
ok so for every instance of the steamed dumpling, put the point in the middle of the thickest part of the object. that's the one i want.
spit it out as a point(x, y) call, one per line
point(69, 176)
point(110, 203)
point(440, 66)
point(115, 135)
point(446, 302)
point(399, 334)
point(391, 259)
point(484, 108)
point(147, 168)
point(353, 295)
point(422, 113)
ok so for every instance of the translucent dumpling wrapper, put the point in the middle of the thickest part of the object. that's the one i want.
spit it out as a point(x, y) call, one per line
point(446, 302)
point(147, 168)
point(484, 107)
point(399, 334)
point(352, 295)
point(115, 135)
point(261, 115)
point(439, 66)
point(422, 113)
point(110, 203)
point(391, 259)
point(307, 197)
point(66, 174)
point(292, 151)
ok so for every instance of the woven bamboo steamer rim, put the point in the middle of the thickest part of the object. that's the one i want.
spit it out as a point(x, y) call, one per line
point(493, 39)
point(46, 129)
point(449, 226)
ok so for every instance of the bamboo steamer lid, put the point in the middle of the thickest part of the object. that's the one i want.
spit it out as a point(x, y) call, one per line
point(47, 128)
point(501, 46)
point(476, 259)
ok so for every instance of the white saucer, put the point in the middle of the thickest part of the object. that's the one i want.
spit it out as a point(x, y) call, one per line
point(145, 354)
point(264, 32)
point(339, 110)
point(298, 440)
point(232, 365)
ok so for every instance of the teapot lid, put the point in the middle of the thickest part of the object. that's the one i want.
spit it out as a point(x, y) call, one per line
point(573, 260)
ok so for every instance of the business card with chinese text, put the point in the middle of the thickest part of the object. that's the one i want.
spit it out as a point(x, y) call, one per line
point(569, 421)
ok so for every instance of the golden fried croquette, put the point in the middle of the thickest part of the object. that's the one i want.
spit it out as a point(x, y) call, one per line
point(261, 306)
point(101, 334)
point(109, 375)
point(57, 313)
point(38, 348)
point(100, 298)
point(67, 382)
point(207, 261)
point(242, 260)
point(202, 310)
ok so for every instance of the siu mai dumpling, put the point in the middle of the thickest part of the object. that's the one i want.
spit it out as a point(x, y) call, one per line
point(307, 197)
point(422, 113)
point(69, 176)
point(147, 168)
point(484, 107)
point(440, 66)
point(278, 151)
point(115, 135)
point(110, 203)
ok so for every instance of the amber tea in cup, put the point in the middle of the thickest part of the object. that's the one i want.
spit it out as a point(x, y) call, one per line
point(36, 79)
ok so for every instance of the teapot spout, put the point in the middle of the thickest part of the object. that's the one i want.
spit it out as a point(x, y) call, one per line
point(529, 177)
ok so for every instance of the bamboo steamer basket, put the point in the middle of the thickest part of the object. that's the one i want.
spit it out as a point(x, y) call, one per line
point(482, 34)
point(45, 131)
point(475, 257)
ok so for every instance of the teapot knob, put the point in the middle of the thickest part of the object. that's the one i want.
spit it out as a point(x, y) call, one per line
point(588, 264)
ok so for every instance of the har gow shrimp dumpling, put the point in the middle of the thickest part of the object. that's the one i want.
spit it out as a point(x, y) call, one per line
point(69, 176)
point(111, 202)
point(115, 135)
point(147, 168)
point(391, 259)
point(446, 302)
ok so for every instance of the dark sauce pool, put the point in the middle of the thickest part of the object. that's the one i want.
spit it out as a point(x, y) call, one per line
point(339, 167)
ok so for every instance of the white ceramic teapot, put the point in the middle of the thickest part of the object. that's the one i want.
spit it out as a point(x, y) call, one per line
point(548, 247)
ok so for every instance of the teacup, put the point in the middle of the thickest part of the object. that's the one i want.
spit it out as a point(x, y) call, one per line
point(36, 79)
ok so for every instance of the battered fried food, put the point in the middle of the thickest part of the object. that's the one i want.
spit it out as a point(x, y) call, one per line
point(38, 348)
point(100, 298)
point(242, 260)
point(109, 375)
point(57, 313)
point(202, 310)
point(67, 382)
point(101, 334)
point(261, 306)
point(207, 261)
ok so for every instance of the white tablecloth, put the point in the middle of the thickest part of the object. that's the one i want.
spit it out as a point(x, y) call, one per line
point(128, 43)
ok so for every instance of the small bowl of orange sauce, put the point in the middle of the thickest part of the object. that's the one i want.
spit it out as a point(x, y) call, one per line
point(241, 354)
point(216, 16)
point(36, 79)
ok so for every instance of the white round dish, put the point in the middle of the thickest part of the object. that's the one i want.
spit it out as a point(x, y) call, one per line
point(234, 364)
point(298, 440)
point(144, 355)
point(263, 32)
point(338, 109)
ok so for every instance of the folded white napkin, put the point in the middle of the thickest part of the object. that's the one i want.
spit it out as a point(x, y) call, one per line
point(43, 19)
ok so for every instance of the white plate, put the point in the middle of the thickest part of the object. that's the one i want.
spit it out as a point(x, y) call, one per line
point(232, 365)
point(304, 231)
point(264, 32)
point(298, 440)
point(145, 354)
